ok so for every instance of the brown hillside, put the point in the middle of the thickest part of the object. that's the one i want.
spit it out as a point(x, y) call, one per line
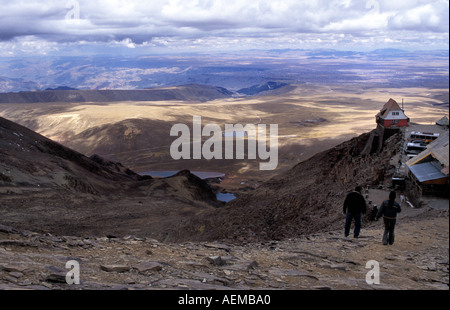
point(306, 199)
point(45, 186)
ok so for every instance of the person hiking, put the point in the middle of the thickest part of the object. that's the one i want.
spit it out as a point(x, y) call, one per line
point(388, 210)
point(354, 205)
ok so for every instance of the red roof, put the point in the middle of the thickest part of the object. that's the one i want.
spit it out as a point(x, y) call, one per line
point(391, 105)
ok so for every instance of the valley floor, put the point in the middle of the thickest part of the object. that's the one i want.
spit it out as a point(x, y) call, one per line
point(418, 260)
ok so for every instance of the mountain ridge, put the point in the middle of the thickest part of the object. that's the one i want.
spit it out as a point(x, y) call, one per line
point(189, 92)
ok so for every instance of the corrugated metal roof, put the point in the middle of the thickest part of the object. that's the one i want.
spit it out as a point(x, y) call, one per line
point(443, 121)
point(427, 171)
point(438, 149)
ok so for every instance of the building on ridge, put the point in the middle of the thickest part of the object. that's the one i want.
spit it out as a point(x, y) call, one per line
point(392, 116)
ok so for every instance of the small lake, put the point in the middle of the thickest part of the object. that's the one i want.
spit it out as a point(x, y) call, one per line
point(225, 197)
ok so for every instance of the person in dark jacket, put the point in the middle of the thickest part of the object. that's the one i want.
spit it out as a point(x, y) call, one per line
point(388, 210)
point(354, 206)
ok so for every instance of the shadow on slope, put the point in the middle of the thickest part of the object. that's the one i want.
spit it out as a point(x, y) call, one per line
point(45, 186)
point(306, 199)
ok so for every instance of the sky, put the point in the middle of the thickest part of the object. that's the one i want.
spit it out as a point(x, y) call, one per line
point(79, 27)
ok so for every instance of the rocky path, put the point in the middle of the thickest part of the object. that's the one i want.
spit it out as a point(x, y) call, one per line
point(418, 260)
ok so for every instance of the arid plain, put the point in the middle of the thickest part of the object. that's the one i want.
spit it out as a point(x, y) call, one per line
point(310, 119)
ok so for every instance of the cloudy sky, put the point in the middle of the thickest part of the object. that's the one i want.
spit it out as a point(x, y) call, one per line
point(76, 27)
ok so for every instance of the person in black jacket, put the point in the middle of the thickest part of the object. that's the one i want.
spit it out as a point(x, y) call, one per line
point(389, 209)
point(354, 205)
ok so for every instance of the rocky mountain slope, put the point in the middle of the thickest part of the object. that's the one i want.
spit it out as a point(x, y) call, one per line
point(45, 186)
point(308, 198)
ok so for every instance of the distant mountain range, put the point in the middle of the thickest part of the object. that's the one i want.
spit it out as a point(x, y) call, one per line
point(233, 71)
point(16, 84)
point(192, 92)
point(257, 89)
point(61, 88)
point(61, 94)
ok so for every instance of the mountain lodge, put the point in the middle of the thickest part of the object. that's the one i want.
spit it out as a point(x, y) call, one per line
point(391, 115)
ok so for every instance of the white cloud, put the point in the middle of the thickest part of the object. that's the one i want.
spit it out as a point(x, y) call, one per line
point(425, 17)
point(150, 23)
point(28, 45)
